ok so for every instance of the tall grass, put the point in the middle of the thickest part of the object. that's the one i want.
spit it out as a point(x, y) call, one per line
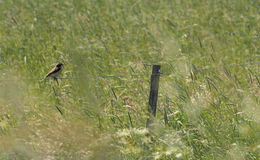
point(209, 91)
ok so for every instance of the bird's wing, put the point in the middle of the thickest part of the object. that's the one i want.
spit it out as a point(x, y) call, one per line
point(54, 70)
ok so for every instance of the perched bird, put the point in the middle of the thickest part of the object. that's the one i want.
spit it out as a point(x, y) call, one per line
point(55, 72)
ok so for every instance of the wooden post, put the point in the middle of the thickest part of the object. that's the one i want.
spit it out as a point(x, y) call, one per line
point(154, 86)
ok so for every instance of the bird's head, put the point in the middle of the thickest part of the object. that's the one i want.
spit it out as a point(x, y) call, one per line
point(59, 65)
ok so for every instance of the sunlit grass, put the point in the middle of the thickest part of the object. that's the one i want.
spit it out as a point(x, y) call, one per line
point(209, 88)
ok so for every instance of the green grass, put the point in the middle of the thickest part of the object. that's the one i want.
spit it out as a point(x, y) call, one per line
point(209, 92)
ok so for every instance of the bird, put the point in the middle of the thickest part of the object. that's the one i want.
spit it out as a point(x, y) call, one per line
point(55, 72)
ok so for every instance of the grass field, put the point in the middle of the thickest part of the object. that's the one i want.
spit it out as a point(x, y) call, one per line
point(209, 95)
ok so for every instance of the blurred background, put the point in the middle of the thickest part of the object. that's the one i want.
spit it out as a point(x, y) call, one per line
point(208, 105)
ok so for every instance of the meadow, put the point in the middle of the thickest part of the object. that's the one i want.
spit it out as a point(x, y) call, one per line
point(209, 94)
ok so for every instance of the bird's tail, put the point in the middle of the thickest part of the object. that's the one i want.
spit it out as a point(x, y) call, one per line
point(45, 78)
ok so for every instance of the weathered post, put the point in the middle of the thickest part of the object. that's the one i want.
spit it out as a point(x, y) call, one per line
point(154, 86)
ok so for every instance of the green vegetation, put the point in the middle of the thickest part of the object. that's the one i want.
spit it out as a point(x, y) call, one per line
point(209, 94)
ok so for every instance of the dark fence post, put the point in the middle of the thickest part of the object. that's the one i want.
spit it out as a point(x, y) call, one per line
point(154, 86)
